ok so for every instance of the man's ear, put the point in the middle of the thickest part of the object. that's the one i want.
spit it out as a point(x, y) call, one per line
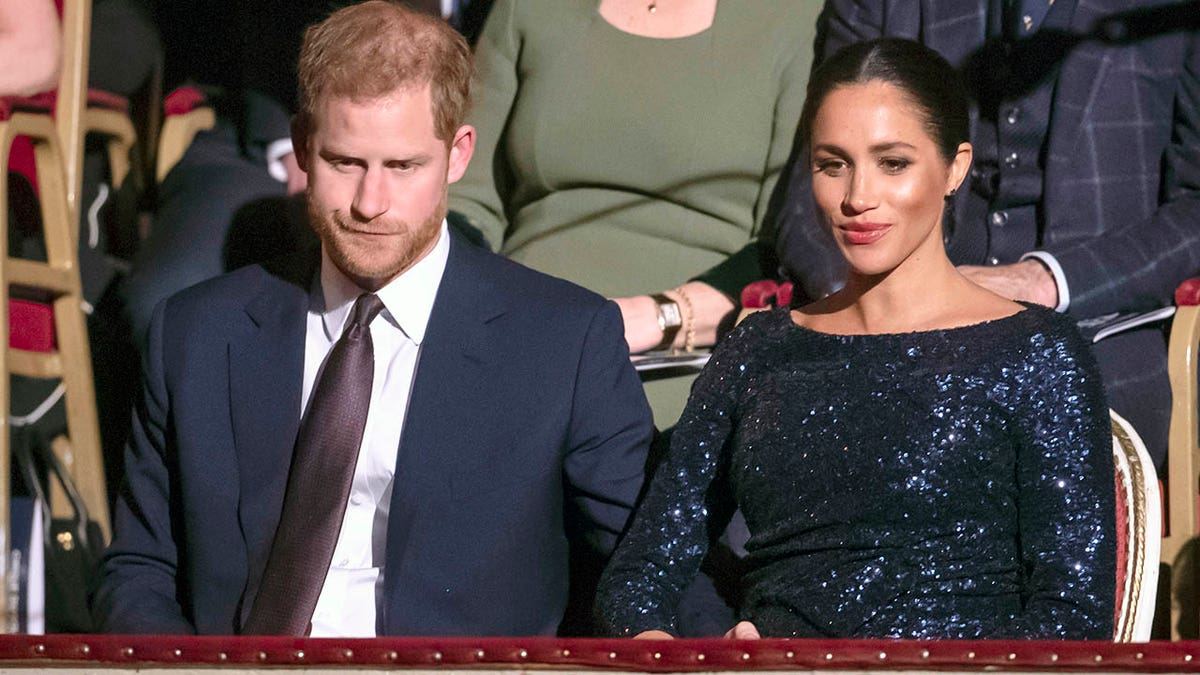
point(461, 150)
point(300, 129)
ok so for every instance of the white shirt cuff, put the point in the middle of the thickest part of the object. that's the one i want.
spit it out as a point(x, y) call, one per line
point(1056, 271)
point(275, 152)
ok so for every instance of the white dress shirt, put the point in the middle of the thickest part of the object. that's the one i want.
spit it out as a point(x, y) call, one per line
point(348, 600)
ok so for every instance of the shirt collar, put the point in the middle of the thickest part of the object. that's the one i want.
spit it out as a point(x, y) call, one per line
point(407, 299)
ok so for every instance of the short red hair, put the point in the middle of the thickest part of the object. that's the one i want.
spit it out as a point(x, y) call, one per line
point(374, 48)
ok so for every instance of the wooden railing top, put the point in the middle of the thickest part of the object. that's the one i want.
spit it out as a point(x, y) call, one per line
point(138, 652)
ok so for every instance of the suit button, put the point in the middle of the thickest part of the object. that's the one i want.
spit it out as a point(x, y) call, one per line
point(993, 260)
point(1013, 160)
point(999, 218)
point(1013, 115)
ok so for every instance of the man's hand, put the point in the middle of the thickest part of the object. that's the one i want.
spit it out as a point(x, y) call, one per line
point(640, 314)
point(1027, 280)
point(744, 630)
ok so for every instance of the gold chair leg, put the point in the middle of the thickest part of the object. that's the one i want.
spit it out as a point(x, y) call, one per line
point(1183, 469)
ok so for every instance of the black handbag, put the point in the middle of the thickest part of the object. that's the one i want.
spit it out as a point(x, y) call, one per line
point(72, 544)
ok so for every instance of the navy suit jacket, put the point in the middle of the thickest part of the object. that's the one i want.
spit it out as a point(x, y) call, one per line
point(527, 426)
point(1121, 189)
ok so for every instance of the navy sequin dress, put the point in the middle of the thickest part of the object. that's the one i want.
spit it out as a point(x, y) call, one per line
point(943, 484)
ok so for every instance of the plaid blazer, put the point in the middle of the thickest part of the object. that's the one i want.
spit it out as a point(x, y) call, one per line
point(1121, 186)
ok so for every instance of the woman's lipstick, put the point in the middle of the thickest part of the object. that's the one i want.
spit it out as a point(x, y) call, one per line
point(860, 234)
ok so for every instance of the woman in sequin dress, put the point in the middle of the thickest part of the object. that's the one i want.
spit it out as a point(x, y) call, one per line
point(915, 456)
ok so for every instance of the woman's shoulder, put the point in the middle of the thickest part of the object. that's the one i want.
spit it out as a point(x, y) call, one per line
point(753, 336)
point(1040, 344)
point(765, 15)
point(534, 13)
point(763, 324)
point(541, 16)
point(786, 27)
point(1042, 325)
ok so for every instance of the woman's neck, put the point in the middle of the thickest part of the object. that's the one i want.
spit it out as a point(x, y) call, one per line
point(925, 292)
point(909, 298)
point(664, 19)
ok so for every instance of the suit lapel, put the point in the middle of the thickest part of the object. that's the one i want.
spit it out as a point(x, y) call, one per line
point(266, 366)
point(442, 425)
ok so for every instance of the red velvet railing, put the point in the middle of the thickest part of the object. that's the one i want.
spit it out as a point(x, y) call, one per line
point(88, 651)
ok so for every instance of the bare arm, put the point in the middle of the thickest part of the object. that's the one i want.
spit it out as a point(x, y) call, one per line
point(704, 307)
point(30, 47)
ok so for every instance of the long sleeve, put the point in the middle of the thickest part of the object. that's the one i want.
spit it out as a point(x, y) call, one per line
point(1066, 505)
point(1138, 262)
point(481, 194)
point(687, 505)
point(138, 590)
point(610, 433)
point(793, 85)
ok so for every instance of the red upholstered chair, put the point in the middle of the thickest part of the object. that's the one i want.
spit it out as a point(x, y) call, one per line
point(48, 338)
point(764, 294)
point(186, 113)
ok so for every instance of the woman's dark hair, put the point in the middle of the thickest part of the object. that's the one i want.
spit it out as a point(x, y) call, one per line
point(920, 72)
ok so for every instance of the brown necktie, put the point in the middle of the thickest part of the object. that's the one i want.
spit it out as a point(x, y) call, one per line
point(319, 482)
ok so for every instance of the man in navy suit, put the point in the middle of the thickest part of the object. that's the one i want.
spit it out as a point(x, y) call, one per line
point(1085, 191)
point(506, 427)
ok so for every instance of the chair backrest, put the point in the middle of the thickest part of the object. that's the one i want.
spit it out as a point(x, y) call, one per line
point(71, 93)
point(1139, 530)
point(1183, 458)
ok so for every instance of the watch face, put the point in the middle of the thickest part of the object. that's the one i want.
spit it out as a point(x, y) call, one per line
point(670, 314)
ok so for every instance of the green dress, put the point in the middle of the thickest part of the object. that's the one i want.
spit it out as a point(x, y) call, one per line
point(630, 164)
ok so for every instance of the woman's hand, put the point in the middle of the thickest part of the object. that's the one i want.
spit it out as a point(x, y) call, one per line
point(703, 309)
point(653, 635)
point(640, 314)
point(744, 630)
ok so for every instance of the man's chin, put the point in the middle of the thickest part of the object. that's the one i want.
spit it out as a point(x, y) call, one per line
point(369, 278)
point(371, 267)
